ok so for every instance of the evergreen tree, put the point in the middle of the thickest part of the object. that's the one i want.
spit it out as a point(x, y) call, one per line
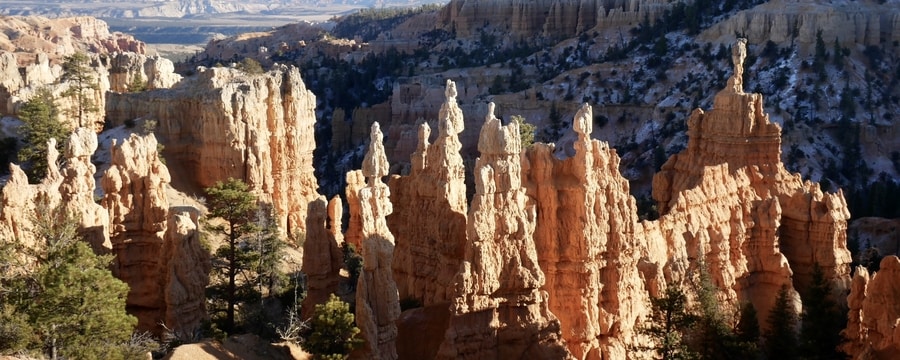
point(748, 325)
point(332, 331)
point(40, 123)
point(137, 83)
point(781, 338)
point(78, 73)
point(526, 131)
point(68, 302)
point(822, 322)
point(251, 66)
point(248, 262)
point(667, 324)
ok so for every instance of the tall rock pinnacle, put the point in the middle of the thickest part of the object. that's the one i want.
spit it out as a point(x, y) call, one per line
point(377, 302)
point(499, 282)
point(427, 258)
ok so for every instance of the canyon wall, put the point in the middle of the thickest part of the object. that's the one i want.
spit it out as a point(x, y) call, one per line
point(782, 21)
point(30, 36)
point(157, 250)
point(224, 123)
point(552, 19)
point(134, 190)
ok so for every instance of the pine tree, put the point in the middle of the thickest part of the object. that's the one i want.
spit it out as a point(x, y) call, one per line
point(781, 338)
point(822, 322)
point(74, 306)
point(252, 251)
point(40, 123)
point(667, 324)
point(332, 331)
point(78, 73)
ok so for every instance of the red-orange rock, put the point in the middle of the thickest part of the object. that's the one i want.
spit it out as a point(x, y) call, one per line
point(500, 311)
point(873, 329)
point(586, 244)
point(134, 190)
point(184, 267)
point(377, 302)
point(728, 200)
point(427, 258)
point(224, 123)
point(322, 256)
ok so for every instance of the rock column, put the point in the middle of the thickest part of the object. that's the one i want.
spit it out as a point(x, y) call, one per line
point(377, 302)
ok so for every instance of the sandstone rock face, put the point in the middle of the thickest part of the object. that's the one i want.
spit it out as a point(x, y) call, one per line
point(223, 123)
point(499, 282)
point(134, 190)
point(184, 266)
point(869, 23)
point(322, 256)
point(872, 328)
point(427, 257)
point(377, 302)
point(586, 244)
point(727, 200)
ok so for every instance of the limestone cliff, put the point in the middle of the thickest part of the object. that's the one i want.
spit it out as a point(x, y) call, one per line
point(499, 282)
point(29, 36)
point(77, 189)
point(586, 244)
point(377, 303)
point(134, 189)
point(223, 123)
point(427, 258)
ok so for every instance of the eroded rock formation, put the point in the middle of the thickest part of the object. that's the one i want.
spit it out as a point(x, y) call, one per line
point(872, 330)
point(586, 244)
point(377, 303)
point(499, 282)
point(184, 266)
point(781, 21)
point(134, 189)
point(322, 256)
point(427, 258)
point(549, 18)
point(728, 202)
point(128, 69)
point(224, 123)
point(70, 187)
point(29, 36)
